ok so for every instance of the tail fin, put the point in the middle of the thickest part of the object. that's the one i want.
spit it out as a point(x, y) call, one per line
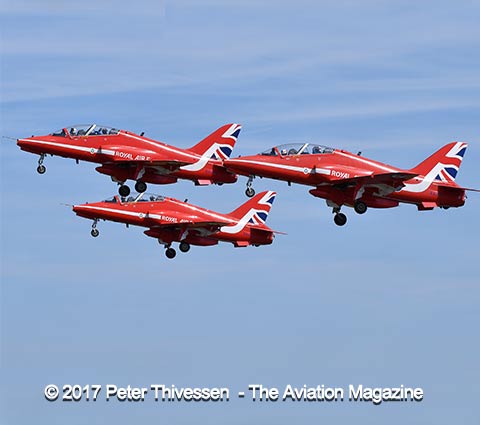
point(219, 145)
point(444, 164)
point(255, 210)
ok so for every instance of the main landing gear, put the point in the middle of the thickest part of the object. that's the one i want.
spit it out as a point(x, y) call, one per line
point(170, 252)
point(184, 246)
point(340, 219)
point(41, 168)
point(360, 207)
point(140, 186)
point(250, 191)
point(124, 190)
point(94, 232)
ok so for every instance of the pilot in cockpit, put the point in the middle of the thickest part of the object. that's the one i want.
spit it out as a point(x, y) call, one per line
point(73, 131)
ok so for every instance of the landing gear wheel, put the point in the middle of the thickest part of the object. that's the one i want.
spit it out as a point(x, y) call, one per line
point(184, 246)
point(94, 233)
point(250, 192)
point(124, 190)
point(140, 186)
point(340, 219)
point(41, 169)
point(170, 253)
point(360, 207)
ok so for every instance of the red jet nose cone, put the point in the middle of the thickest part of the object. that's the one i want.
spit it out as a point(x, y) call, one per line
point(29, 146)
point(82, 210)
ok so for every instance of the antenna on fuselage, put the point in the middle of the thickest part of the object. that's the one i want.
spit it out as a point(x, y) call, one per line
point(142, 133)
point(359, 153)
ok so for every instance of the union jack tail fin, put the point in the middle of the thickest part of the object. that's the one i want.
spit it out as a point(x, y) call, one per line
point(255, 210)
point(219, 144)
point(444, 164)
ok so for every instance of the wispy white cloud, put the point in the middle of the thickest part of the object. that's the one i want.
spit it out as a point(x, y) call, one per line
point(110, 58)
point(374, 108)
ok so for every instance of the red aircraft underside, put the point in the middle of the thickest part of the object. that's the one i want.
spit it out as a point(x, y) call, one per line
point(124, 155)
point(170, 220)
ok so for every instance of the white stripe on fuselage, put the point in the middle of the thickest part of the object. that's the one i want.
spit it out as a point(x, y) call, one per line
point(72, 147)
point(153, 215)
point(426, 181)
point(127, 213)
point(284, 167)
point(240, 224)
point(205, 158)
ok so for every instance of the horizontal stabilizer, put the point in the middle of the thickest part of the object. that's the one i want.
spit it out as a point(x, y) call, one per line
point(448, 186)
point(192, 225)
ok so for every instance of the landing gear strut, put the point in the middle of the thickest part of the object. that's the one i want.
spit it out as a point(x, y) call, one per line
point(41, 168)
point(340, 219)
point(250, 191)
point(94, 232)
point(140, 186)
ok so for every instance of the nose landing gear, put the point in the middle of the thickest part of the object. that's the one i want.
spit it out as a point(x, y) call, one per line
point(41, 168)
point(94, 232)
point(250, 191)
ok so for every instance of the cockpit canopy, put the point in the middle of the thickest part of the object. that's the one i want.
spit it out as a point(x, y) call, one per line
point(86, 130)
point(141, 197)
point(297, 149)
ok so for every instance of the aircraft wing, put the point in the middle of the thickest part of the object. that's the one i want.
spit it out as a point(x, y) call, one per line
point(150, 162)
point(134, 156)
point(390, 179)
point(191, 225)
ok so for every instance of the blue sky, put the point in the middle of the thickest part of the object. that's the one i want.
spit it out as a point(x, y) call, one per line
point(390, 299)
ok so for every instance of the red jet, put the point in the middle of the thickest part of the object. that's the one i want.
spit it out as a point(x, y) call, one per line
point(343, 178)
point(170, 220)
point(124, 155)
